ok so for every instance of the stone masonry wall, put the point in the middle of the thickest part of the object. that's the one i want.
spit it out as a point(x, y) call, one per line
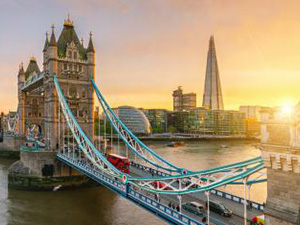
point(283, 172)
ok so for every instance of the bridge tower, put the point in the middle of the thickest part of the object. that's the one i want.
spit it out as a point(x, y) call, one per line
point(281, 155)
point(21, 99)
point(73, 64)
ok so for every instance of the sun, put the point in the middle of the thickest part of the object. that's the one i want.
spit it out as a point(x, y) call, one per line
point(287, 109)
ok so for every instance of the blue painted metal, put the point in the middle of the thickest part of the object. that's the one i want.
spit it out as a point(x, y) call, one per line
point(237, 199)
point(153, 153)
point(216, 192)
point(32, 80)
point(127, 188)
point(126, 191)
point(81, 137)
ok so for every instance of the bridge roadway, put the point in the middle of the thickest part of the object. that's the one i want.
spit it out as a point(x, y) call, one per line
point(147, 200)
point(237, 208)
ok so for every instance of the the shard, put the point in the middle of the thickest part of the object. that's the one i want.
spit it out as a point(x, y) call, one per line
point(212, 97)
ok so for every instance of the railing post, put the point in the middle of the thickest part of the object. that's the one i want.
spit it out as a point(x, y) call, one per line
point(249, 186)
point(208, 210)
point(245, 201)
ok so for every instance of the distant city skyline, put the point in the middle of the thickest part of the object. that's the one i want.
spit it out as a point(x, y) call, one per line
point(146, 49)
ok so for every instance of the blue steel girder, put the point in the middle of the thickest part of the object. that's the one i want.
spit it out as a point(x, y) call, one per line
point(131, 141)
point(179, 184)
point(87, 147)
point(201, 181)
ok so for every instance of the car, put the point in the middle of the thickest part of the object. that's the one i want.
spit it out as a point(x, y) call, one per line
point(194, 207)
point(219, 208)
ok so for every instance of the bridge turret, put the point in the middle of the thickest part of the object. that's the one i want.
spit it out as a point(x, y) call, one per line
point(46, 45)
point(21, 98)
point(52, 54)
point(91, 58)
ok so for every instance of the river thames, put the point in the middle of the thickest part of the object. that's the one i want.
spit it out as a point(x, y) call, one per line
point(99, 205)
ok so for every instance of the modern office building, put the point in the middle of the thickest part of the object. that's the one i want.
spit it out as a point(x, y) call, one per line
point(182, 102)
point(177, 121)
point(215, 122)
point(212, 97)
point(134, 119)
point(252, 115)
point(202, 121)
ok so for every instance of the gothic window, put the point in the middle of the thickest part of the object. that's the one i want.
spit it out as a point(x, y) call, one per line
point(75, 55)
point(73, 92)
point(29, 114)
point(40, 114)
point(83, 94)
point(80, 68)
point(75, 67)
point(65, 66)
point(70, 54)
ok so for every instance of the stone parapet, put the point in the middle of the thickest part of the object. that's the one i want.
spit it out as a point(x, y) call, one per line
point(281, 158)
point(283, 172)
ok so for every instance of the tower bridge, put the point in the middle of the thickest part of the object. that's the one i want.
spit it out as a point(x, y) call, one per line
point(59, 100)
point(73, 64)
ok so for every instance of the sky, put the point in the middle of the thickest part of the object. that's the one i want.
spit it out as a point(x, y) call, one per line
point(146, 49)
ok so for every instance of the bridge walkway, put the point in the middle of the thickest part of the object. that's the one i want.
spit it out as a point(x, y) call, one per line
point(237, 208)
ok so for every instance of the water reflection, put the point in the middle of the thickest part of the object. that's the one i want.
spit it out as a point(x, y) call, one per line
point(101, 206)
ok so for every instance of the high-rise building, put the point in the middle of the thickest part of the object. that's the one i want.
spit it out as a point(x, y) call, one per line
point(183, 102)
point(212, 97)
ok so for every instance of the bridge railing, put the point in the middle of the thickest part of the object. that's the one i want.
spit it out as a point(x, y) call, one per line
point(128, 192)
point(155, 206)
point(215, 192)
point(237, 199)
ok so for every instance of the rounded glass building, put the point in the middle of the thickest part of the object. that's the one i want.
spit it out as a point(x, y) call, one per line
point(134, 119)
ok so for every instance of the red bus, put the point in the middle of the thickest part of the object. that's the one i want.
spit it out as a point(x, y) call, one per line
point(120, 162)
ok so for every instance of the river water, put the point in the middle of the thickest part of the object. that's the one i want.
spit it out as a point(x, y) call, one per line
point(101, 206)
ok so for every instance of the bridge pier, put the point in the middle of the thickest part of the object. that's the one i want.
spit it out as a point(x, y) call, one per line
point(40, 170)
point(10, 147)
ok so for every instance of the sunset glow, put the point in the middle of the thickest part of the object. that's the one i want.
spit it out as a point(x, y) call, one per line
point(145, 49)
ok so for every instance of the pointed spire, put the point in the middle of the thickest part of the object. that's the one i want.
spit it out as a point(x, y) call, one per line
point(91, 46)
point(211, 42)
point(212, 97)
point(52, 38)
point(21, 69)
point(46, 42)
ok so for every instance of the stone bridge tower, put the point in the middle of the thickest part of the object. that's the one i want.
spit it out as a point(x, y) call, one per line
point(281, 155)
point(73, 64)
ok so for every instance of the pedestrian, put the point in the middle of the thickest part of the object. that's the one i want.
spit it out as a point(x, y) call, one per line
point(177, 208)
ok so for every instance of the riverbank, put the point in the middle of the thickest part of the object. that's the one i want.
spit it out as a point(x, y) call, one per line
point(199, 139)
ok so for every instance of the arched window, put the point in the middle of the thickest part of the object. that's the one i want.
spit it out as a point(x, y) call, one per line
point(75, 55)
